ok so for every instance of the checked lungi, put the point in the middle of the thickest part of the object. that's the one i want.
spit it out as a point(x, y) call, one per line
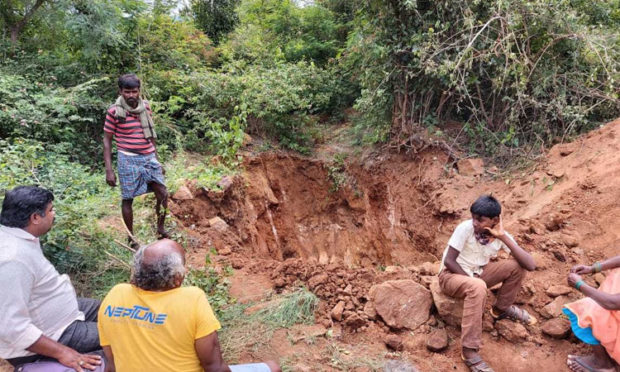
point(136, 172)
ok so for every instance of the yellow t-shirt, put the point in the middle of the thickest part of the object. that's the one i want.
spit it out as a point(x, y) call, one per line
point(155, 331)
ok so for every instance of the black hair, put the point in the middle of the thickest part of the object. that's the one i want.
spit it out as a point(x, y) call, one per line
point(128, 81)
point(487, 206)
point(21, 202)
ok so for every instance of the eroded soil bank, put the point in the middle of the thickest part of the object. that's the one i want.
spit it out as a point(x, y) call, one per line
point(341, 227)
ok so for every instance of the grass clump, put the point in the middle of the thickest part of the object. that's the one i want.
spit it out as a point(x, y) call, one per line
point(242, 331)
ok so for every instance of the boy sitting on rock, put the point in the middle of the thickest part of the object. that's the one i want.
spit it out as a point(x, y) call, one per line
point(466, 273)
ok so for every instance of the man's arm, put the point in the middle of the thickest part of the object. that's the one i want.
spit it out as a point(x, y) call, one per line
point(608, 264)
point(522, 256)
point(450, 261)
point(209, 353)
point(606, 300)
point(109, 359)
point(64, 354)
point(110, 176)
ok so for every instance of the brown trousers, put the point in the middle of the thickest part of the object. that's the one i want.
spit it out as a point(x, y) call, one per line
point(474, 291)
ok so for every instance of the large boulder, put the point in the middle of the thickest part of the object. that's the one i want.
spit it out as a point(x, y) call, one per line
point(401, 303)
point(450, 309)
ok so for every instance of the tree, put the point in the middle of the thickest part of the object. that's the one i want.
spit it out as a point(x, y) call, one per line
point(215, 18)
point(16, 15)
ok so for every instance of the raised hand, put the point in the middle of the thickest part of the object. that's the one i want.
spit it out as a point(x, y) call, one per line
point(498, 231)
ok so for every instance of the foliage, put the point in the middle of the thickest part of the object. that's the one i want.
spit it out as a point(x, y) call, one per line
point(516, 72)
point(274, 31)
point(52, 114)
point(213, 284)
point(215, 18)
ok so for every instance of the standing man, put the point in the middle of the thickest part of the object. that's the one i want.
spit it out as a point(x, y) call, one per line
point(41, 316)
point(139, 171)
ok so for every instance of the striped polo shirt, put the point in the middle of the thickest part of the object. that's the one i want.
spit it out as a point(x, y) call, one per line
point(129, 135)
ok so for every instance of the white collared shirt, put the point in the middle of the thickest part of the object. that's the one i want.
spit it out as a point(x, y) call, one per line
point(34, 299)
point(473, 255)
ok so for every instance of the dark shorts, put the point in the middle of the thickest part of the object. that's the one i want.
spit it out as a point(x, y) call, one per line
point(82, 336)
point(136, 172)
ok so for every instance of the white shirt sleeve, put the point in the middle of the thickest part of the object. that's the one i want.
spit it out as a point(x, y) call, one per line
point(16, 327)
point(459, 236)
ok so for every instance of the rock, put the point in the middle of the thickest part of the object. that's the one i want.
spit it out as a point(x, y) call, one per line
point(369, 310)
point(224, 251)
point(428, 268)
point(558, 290)
point(556, 328)
point(316, 280)
point(337, 311)
point(554, 308)
point(394, 342)
point(183, 193)
point(470, 167)
point(401, 303)
point(450, 309)
point(335, 331)
point(599, 278)
point(554, 222)
point(426, 280)
point(225, 183)
point(438, 340)
point(511, 331)
point(218, 224)
point(559, 256)
point(393, 365)
point(354, 321)
point(570, 241)
point(300, 332)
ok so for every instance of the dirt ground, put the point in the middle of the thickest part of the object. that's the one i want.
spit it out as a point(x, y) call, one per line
point(340, 227)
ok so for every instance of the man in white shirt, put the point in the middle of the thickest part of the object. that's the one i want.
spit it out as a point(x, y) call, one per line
point(466, 273)
point(41, 315)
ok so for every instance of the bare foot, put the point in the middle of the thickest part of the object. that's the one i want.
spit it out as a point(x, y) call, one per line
point(588, 363)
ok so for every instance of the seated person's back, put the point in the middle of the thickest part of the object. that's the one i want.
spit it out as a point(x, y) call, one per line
point(154, 324)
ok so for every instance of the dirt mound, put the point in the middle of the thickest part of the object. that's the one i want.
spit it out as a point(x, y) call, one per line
point(341, 227)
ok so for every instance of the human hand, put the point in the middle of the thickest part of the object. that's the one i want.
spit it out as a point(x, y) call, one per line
point(110, 177)
point(80, 362)
point(498, 231)
point(582, 269)
point(573, 279)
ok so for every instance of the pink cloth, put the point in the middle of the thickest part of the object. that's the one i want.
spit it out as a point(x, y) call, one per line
point(605, 324)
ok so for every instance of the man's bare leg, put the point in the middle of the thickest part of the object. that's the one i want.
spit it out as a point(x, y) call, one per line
point(161, 207)
point(598, 361)
point(127, 212)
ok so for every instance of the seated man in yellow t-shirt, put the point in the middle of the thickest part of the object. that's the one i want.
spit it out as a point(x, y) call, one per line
point(154, 324)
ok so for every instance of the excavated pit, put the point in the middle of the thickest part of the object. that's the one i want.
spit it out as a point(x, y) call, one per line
point(285, 206)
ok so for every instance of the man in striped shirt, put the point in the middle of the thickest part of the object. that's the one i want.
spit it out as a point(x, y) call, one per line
point(129, 121)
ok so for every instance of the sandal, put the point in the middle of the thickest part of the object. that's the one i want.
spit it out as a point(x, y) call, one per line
point(476, 364)
point(515, 314)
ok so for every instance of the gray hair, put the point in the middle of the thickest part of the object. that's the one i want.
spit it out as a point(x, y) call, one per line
point(159, 275)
